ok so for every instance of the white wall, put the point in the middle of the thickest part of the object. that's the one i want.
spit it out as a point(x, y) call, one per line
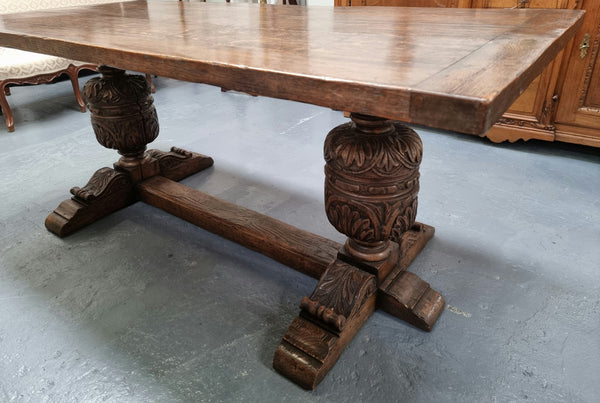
point(319, 2)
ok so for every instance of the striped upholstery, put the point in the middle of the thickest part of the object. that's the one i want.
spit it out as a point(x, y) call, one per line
point(17, 6)
point(17, 66)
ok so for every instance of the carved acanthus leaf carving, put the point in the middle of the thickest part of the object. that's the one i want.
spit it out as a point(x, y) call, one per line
point(122, 111)
point(339, 295)
point(103, 182)
point(372, 179)
point(128, 133)
point(382, 156)
point(352, 219)
point(115, 87)
point(371, 221)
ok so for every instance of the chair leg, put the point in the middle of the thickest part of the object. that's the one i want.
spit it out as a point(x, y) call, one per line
point(73, 73)
point(8, 116)
point(149, 78)
point(6, 91)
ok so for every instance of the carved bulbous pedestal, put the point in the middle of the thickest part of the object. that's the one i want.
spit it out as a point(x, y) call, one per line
point(122, 112)
point(371, 183)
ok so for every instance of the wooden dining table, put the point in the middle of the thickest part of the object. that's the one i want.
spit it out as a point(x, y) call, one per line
point(454, 69)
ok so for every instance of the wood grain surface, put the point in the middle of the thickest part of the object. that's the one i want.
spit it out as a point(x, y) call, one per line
point(303, 251)
point(455, 69)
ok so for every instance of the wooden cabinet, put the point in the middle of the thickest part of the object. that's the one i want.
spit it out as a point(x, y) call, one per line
point(577, 118)
point(405, 3)
point(532, 114)
point(561, 104)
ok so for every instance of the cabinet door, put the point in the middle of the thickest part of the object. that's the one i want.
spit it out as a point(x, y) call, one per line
point(578, 114)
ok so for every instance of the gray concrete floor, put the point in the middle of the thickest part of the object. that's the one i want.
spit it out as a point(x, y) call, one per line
point(144, 307)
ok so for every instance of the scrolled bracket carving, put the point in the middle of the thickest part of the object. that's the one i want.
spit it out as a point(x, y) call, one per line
point(181, 152)
point(323, 313)
point(179, 163)
point(340, 304)
point(168, 160)
point(107, 191)
point(339, 295)
point(103, 182)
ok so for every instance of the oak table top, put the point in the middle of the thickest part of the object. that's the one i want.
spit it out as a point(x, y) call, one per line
point(455, 69)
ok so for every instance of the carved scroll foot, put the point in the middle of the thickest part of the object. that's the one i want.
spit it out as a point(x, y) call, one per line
point(107, 191)
point(341, 303)
point(404, 294)
point(409, 298)
point(112, 189)
point(178, 163)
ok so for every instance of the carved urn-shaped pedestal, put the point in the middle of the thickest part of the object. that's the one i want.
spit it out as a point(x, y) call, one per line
point(122, 112)
point(371, 183)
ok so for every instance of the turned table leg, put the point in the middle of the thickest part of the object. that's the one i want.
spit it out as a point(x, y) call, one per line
point(123, 118)
point(371, 187)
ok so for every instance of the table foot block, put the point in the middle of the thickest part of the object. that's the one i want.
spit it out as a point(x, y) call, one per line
point(411, 299)
point(106, 192)
point(412, 243)
point(301, 250)
point(340, 304)
point(178, 163)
